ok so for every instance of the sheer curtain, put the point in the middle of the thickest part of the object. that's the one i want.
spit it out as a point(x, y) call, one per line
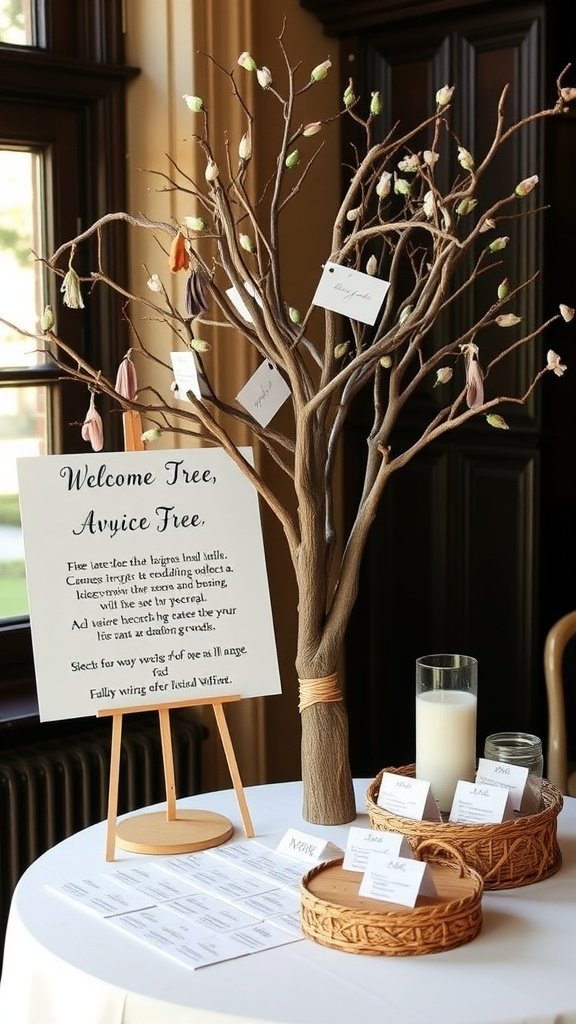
point(170, 40)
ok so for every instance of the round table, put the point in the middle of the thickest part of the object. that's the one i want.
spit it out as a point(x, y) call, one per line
point(63, 965)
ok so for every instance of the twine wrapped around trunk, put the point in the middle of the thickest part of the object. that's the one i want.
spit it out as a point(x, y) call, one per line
point(327, 783)
point(323, 690)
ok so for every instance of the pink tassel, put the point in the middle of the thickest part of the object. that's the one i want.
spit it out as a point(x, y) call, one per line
point(93, 428)
point(474, 383)
point(126, 382)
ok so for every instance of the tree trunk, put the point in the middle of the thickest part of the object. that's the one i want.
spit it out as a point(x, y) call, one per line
point(326, 776)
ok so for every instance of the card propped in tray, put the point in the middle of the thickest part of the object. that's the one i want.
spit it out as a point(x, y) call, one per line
point(407, 797)
point(363, 842)
point(481, 804)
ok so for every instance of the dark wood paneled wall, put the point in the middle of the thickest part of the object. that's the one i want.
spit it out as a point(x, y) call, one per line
point(474, 546)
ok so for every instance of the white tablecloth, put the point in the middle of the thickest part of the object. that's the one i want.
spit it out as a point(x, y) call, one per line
point(64, 966)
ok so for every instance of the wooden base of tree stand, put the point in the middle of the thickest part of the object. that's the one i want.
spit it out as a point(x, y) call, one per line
point(182, 831)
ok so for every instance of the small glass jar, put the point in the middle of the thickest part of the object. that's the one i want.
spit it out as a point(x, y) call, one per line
point(520, 748)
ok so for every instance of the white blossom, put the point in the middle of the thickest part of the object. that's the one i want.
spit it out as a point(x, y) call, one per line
point(553, 363)
point(154, 283)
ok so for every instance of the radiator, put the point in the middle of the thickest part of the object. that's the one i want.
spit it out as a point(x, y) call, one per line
point(53, 788)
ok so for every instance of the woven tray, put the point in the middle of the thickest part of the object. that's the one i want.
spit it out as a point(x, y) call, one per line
point(333, 913)
point(507, 855)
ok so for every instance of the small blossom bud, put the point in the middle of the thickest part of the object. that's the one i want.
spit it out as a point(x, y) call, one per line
point(341, 349)
point(430, 157)
point(295, 315)
point(246, 243)
point(320, 72)
point(195, 223)
point(264, 77)
point(349, 98)
point(508, 320)
point(195, 103)
point(154, 283)
point(568, 94)
point(384, 185)
point(245, 147)
point(246, 61)
point(375, 104)
point(503, 288)
point(465, 159)
point(523, 188)
point(386, 362)
point(211, 172)
point(429, 205)
point(154, 434)
point(372, 266)
point(200, 346)
point(465, 206)
point(405, 314)
point(566, 312)
point(47, 319)
point(497, 421)
point(354, 214)
point(553, 363)
point(487, 225)
point(443, 375)
point(402, 187)
point(312, 129)
point(293, 159)
point(443, 96)
point(409, 164)
point(499, 243)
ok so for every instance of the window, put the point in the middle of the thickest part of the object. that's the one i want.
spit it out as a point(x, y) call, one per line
point(25, 411)
point(62, 143)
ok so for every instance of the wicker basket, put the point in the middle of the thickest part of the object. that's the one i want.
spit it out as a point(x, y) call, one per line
point(507, 855)
point(333, 913)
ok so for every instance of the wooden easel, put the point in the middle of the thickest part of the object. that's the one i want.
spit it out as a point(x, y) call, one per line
point(182, 831)
point(172, 832)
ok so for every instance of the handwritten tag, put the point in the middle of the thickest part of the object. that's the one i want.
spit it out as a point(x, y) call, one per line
point(397, 880)
point(525, 789)
point(264, 393)
point(362, 842)
point(480, 804)
point(409, 798)
point(239, 303)
point(310, 849)
point(350, 292)
point(187, 376)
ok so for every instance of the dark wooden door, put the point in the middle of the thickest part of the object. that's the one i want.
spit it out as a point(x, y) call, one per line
point(473, 549)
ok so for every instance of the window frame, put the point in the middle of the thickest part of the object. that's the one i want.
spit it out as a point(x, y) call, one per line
point(76, 74)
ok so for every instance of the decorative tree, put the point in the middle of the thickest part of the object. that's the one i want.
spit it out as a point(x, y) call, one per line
point(394, 223)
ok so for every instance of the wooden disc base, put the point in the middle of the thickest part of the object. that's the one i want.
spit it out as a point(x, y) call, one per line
point(189, 831)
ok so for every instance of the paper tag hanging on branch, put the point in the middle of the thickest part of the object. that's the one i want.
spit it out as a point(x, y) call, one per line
point(264, 393)
point(237, 300)
point(356, 295)
point(187, 376)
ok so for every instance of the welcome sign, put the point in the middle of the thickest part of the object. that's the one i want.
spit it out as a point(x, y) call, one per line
point(146, 580)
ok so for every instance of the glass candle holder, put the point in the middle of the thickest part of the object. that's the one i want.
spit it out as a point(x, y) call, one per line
point(446, 701)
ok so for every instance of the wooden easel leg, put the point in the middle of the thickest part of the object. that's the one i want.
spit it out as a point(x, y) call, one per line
point(168, 760)
point(113, 786)
point(233, 768)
